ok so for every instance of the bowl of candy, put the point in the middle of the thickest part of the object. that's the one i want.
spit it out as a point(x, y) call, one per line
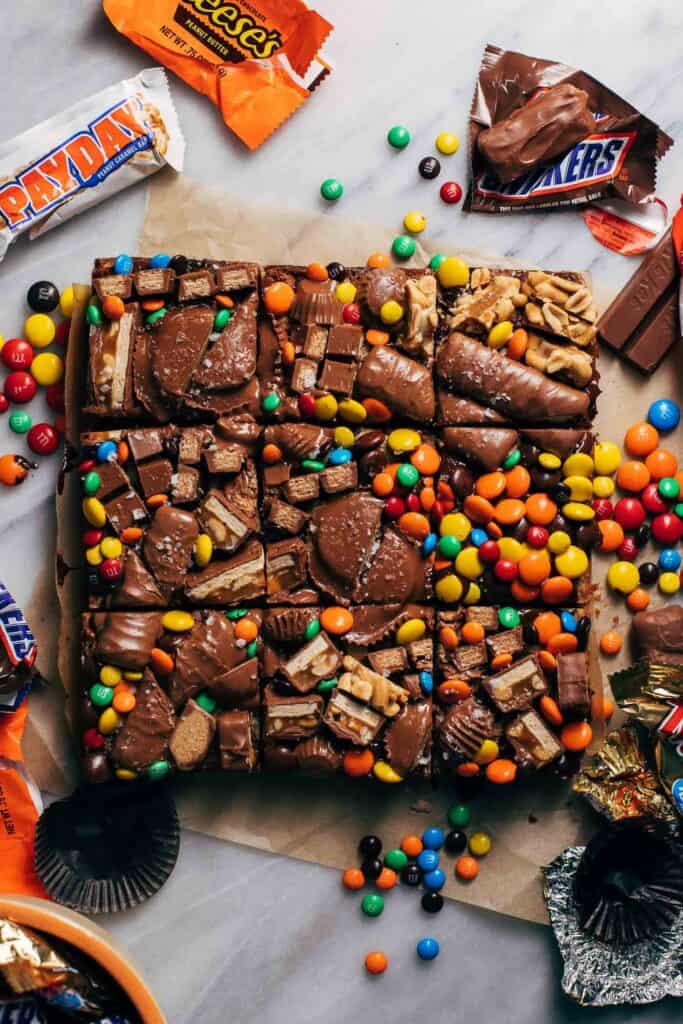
point(58, 965)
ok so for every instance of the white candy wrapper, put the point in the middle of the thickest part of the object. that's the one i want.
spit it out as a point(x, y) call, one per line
point(81, 156)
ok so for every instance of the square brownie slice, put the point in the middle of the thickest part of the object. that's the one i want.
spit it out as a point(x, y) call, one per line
point(169, 691)
point(360, 338)
point(171, 515)
point(348, 690)
point(179, 341)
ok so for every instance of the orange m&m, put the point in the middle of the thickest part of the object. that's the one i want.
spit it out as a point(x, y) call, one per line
point(467, 868)
point(501, 771)
point(633, 476)
point(576, 736)
point(353, 878)
point(336, 620)
point(358, 763)
point(641, 439)
point(278, 298)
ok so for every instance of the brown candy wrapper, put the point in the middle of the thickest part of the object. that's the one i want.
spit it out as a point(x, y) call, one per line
point(618, 782)
point(545, 135)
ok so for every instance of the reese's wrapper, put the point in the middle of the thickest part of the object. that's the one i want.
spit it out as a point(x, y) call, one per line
point(546, 135)
point(256, 61)
point(80, 156)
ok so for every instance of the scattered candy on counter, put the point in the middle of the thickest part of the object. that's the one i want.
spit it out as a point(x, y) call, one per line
point(31, 366)
point(416, 862)
point(331, 189)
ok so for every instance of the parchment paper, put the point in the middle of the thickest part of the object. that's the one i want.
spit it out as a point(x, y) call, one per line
point(322, 820)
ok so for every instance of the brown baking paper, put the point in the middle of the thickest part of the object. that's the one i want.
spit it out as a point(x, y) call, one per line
point(312, 819)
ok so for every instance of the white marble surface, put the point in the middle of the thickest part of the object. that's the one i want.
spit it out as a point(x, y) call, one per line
point(237, 934)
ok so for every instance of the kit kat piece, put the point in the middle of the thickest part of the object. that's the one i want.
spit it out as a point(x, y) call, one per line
point(653, 278)
point(654, 338)
point(177, 500)
point(192, 693)
point(330, 699)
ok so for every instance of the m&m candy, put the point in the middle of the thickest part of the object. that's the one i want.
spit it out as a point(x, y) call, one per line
point(450, 192)
point(43, 296)
point(17, 354)
point(447, 143)
point(39, 330)
point(398, 136)
point(664, 415)
point(20, 387)
point(331, 189)
point(428, 949)
point(43, 439)
point(429, 167)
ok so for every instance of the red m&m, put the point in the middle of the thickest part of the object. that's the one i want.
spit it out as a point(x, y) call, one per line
point(43, 439)
point(17, 354)
point(20, 387)
point(629, 513)
point(667, 528)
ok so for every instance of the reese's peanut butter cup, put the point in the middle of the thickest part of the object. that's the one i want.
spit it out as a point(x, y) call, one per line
point(107, 848)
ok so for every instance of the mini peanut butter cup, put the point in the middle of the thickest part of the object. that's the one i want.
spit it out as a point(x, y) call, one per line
point(107, 847)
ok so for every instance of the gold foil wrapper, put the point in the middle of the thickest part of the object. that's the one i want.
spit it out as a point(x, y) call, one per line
point(27, 962)
point(651, 678)
point(618, 783)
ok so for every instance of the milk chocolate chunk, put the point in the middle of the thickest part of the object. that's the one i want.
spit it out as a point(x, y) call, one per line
point(346, 552)
point(126, 639)
point(517, 686)
point(231, 360)
point(349, 720)
point(573, 693)
point(466, 726)
point(514, 389)
point(345, 341)
point(338, 377)
point(168, 545)
point(384, 286)
point(398, 572)
point(238, 687)
point(145, 384)
point(401, 383)
point(317, 660)
point(155, 477)
point(288, 625)
point(534, 744)
point(455, 409)
point(291, 717)
point(317, 756)
point(145, 732)
point(651, 342)
point(192, 737)
point(408, 738)
point(236, 741)
point(203, 656)
point(237, 579)
point(488, 446)
point(138, 588)
point(299, 441)
point(660, 630)
point(179, 342)
point(285, 567)
point(531, 135)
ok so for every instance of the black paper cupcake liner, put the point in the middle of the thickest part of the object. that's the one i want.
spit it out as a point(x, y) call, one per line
point(107, 847)
point(629, 882)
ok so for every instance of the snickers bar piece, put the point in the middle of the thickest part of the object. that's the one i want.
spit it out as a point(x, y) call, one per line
point(172, 342)
point(348, 691)
point(507, 682)
point(517, 347)
point(363, 340)
point(642, 323)
point(171, 515)
point(522, 526)
point(346, 514)
point(169, 690)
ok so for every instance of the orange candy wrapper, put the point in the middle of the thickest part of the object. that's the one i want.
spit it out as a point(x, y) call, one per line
point(257, 60)
point(20, 802)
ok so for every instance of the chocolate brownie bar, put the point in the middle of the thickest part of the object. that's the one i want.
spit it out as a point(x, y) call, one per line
point(357, 701)
point(171, 515)
point(507, 682)
point(517, 347)
point(169, 690)
point(347, 513)
point(364, 336)
point(180, 342)
point(522, 525)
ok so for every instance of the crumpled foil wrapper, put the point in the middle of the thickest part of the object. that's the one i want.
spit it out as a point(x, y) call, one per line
point(596, 974)
point(618, 782)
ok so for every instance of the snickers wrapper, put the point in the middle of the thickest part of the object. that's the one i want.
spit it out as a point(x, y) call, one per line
point(546, 135)
point(17, 653)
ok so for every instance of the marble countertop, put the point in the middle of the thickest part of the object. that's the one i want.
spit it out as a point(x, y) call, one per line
point(237, 934)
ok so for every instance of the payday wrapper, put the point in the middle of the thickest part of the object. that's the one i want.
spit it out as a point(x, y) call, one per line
point(84, 154)
point(257, 62)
